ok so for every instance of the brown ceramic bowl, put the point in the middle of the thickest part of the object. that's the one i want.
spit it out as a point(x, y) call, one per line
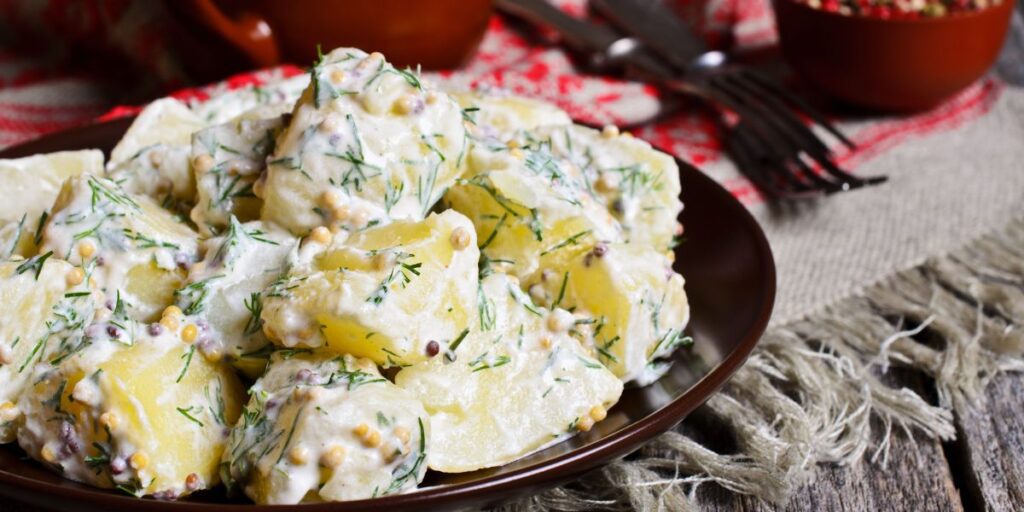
point(437, 34)
point(900, 65)
point(730, 280)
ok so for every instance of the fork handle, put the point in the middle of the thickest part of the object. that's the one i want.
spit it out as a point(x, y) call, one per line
point(578, 34)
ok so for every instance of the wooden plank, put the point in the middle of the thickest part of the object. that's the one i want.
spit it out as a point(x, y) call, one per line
point(917, 478)
point(990, 446)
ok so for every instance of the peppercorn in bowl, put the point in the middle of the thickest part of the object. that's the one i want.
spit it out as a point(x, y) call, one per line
point(366, 290)
point(886, 55)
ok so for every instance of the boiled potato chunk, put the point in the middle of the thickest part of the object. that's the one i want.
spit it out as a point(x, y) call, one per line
point(514, 385)
point(32, 183)
point(224, 296)
point(637, 305)
point(366, 144)
point(528, 207)
point(18, 238)
point(495, 114)
point(160, 171)
point(321, 427)
point(384, 293)
point(274, 97)
point(137, 409)
point(45, 305)
point(133, 249)
point(166, 122)
point(638, 184)
point(228, 159)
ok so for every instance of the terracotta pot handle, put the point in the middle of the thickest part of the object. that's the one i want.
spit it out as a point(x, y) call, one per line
point(249, 33)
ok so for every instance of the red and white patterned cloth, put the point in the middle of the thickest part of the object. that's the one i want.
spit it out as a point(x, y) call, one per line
point(34, 99)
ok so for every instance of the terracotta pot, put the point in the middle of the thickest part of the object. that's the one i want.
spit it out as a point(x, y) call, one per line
point(900, 65)
point(437, 34)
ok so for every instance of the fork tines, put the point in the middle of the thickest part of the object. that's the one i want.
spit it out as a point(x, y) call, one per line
point(772, 145)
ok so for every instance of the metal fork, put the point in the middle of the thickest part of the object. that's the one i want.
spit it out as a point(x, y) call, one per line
point(770, 143)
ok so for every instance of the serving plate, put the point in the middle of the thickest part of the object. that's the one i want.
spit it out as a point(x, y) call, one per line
point(730, 280)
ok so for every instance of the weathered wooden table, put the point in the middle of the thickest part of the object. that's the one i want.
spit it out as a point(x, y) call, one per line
point(983, 469)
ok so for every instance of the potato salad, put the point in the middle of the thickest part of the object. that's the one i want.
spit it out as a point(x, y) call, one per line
point(323, 288)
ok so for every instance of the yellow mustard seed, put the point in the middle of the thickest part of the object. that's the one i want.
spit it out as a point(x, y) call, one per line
point(139, 460)
point(585, 424)
point(545, 342)
point(598, 412)
point(86, 249)
point(48, 454)
point(361, 429)
point(189, 333)
point(8, 411)
point(172, 311)
point(460, 238)
point(213, 355)
point(331, 198)
point(329, 124)
point(110, 420)
point(76, 276)
point(170, 322)
point(341, 212)
point(406, 104)
point(402, 434)
point(333, 457)
point(372, 439)
point(298, 455)
point(517, 153)
point(203, 163)
point(320, 235)
point(610, 131)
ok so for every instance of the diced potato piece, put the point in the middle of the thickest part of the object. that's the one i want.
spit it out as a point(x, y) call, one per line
point(273, 98)
point(224, 290)
point(495, 114)
point(160, 171)
point(384, 293)
point(166, 121)
point(18, 238)
point(45, 312)
point(321, 427)
point(515, 385)
point(137, 409)
point(366, 144)
point(131, 247)
point(638, 184)
point(528, 206)
point(32, 183)
point(228, 159)
point(636, 302)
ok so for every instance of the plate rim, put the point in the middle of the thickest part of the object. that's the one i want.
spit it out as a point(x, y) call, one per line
point(488, 489)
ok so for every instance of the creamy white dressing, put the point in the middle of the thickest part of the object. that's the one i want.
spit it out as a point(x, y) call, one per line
point(224, 291)
point(122, 233)
point(324, 427)
point(160, 171)
point(367, 143)
point(228, 159)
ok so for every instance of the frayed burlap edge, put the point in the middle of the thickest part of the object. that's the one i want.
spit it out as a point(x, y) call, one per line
point(813, 388)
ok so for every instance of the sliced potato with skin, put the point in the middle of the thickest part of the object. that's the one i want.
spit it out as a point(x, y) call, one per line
point(132, 248)
point(637, 183)
point(224, 296)
point(384, 293)
point(137, 409)
point(636, 303)
point(228, 159)
point(47, 304)
point(528, 207)
point(32, 183)
point(366, 144)
point(322, 427)
point(515, 384)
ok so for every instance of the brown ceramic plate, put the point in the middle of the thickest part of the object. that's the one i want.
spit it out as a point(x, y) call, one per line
point(730, 279)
